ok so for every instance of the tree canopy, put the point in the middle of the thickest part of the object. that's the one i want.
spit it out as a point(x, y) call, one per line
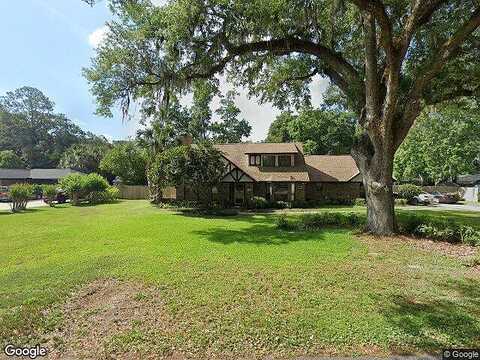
point(388, 59)
point(30, 127)
point(10, 160)
point(127, 161)
point(86, 155)
point(322, 131)
point(199, 166)
point(443, 144)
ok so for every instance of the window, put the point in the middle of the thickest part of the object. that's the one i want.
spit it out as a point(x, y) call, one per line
point(281, 192)
point(254, 160)
point(284, 160)
point(269, 160)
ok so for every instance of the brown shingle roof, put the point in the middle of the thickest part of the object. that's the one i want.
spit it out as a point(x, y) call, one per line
point(337, 168)
point(271, 148)
point(237, 154)
point(326, 168)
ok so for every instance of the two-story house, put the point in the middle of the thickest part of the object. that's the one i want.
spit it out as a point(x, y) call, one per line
point(282, 172)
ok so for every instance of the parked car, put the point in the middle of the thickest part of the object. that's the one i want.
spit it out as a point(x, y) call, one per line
point(61, 196)
point(449, 198)
point(4, 196)
point(423, 199)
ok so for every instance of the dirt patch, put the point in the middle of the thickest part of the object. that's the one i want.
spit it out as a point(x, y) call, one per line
point(460, 251)
point(112, 319)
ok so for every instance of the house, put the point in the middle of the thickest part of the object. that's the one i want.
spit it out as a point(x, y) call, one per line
point(33, 176)
point(282, 172)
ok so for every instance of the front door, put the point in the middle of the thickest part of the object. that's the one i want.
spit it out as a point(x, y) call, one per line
point(239, 194)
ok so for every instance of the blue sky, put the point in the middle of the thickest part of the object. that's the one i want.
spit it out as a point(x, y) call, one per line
point(46, 43)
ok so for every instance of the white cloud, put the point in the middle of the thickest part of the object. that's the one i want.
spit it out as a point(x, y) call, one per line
point(97, 36)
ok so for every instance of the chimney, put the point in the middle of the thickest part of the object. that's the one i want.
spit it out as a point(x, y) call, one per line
point(186, 139)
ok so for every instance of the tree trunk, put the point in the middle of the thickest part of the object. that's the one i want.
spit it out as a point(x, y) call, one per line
point(380, 207)
point(376, 167)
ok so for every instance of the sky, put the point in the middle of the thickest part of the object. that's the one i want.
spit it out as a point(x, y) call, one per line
point(46, 43)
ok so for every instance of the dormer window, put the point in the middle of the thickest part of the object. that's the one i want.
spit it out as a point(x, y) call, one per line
point(284, 160)
point(268, 160)
point(271, 160)
point(255, 160)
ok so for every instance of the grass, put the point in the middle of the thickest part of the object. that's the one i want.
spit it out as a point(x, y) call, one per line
point(236, 285)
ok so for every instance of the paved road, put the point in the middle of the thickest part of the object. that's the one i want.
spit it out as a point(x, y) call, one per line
point(31, 204)
point(443, 207)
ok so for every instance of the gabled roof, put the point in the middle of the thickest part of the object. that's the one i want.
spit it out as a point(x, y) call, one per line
point(50, 174)
point(36, 174)
point(336, 168)
point(322, 168)
point(14, 173)
point(271, 148)
point(237, 154)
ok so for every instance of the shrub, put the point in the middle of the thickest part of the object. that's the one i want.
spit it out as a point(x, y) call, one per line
point(178, 204)
point(470, 236)
point(360, 202)
point(317, 221)
point(400, 202)
point(300, 204)
point(279, 205)
point(20, 194)
point(283, 223)
point(73, 185)
point(93, 183)
point(91, 187)
point(113, 193)
point(102, 197)
point(410, 223)
point(258, 202)
point(49, 194)
point(409, 191)
point(37, 190)
point(439, 230)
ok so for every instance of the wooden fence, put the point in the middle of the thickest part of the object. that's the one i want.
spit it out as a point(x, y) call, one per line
point(139, 192)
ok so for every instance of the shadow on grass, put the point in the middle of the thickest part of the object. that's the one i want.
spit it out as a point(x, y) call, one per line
point(26, 211)
point(260, 234)
point(445, 322)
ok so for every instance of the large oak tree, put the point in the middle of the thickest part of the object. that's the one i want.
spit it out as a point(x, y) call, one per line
point(388, 58)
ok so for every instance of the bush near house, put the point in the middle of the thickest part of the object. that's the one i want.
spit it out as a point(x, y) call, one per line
point(439, 230)
point(411, 225)
point(317, 221)
point(20, 195)
point(110, 195)
point(92, 188)
point(49, 194)
point(258, 202)
point(409, 191)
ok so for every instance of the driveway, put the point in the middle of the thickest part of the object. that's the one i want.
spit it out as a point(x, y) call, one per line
point(31, 204)
point(443, 207)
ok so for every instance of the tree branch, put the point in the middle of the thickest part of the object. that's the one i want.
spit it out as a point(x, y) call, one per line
point(372, 85)
point(341, 72)
point(422, 11)
point(377, 9)
point(452, 95)
point(447, 51)
point(442, 56)
point(300, 78)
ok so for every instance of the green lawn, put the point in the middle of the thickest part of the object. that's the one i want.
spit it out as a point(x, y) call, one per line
point(236, 285)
